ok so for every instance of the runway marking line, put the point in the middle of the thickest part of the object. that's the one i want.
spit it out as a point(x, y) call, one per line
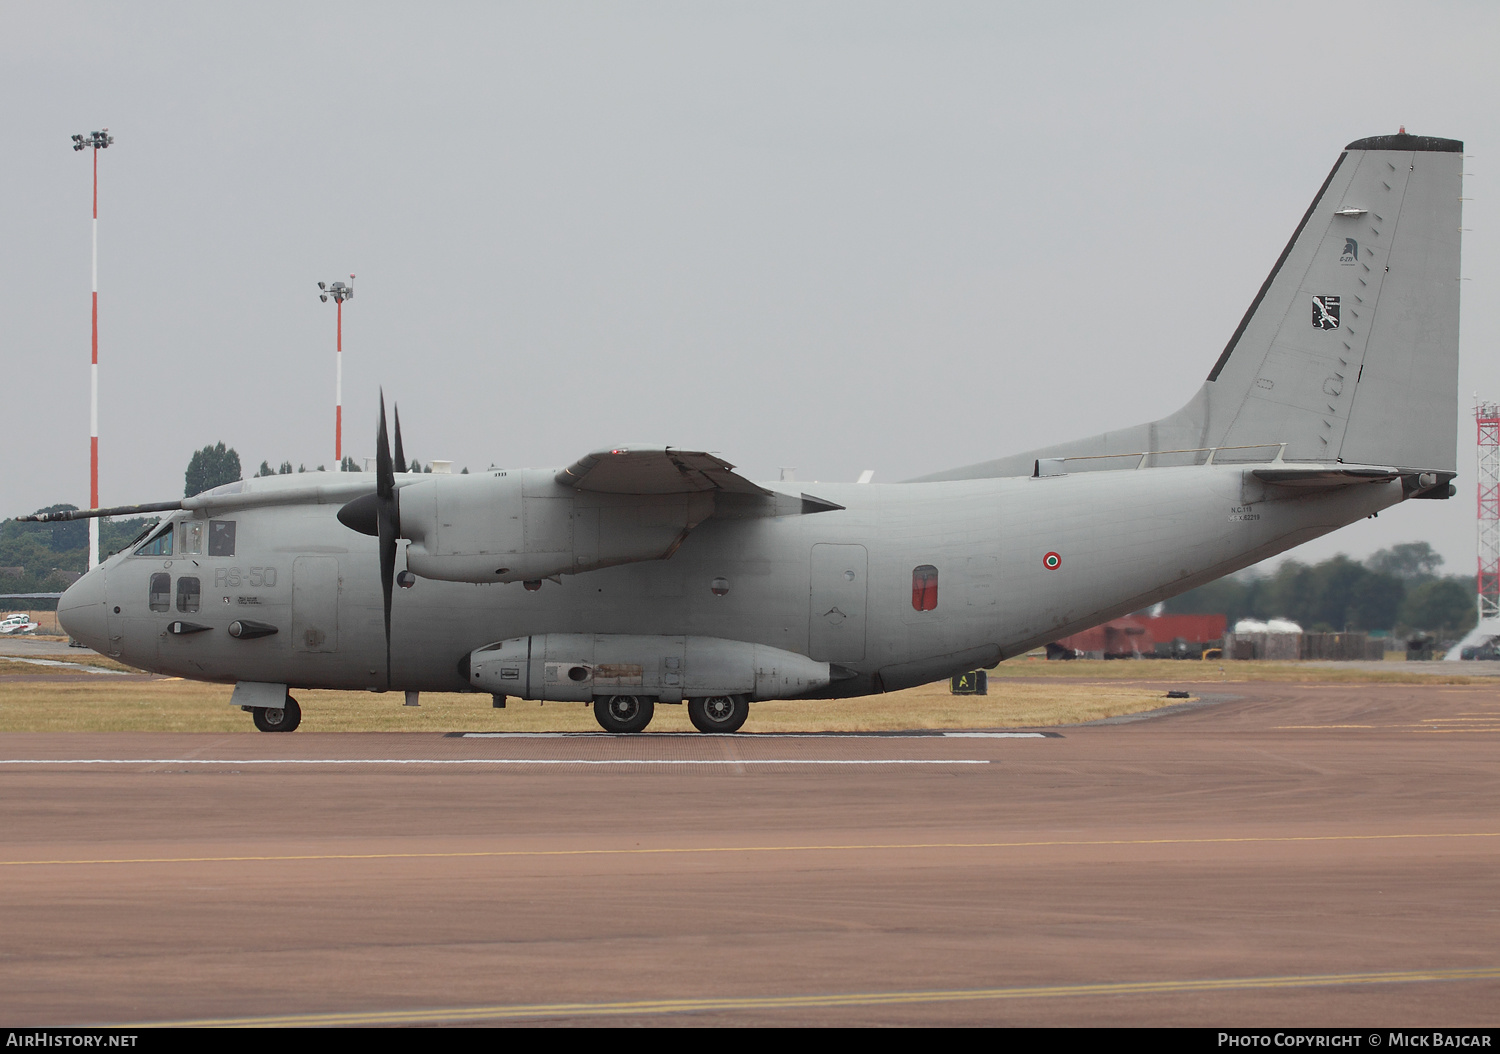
point(493, 761)
point(751, 737)
point(642, 1007)
point(709, 849)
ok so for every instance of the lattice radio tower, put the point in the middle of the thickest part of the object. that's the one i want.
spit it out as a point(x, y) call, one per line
point(1487, 418)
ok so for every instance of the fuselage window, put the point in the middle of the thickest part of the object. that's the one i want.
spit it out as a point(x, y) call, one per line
point(192, 537)
point(221, 537)
point(161, 591)
point(924, 583)
point(159, 545)
point(187, 593)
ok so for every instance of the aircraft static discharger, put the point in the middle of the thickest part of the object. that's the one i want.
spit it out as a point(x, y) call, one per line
point(643, 576)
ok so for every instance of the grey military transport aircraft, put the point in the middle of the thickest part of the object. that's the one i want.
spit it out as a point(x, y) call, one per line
point(635, 577)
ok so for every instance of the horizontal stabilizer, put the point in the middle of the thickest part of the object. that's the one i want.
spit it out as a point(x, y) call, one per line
point(1324, 476)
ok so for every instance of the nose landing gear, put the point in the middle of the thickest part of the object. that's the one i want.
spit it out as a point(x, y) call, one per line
point(284, 718)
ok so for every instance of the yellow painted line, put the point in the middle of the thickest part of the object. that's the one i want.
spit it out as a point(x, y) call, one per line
point(643, 1007)
point(1393, 727)
point(701, 850)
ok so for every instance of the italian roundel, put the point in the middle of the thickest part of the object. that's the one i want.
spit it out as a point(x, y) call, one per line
point(1052, 561)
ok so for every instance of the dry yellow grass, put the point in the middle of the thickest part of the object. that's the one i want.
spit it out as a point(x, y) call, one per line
point(109, 704)
point(1192, 670)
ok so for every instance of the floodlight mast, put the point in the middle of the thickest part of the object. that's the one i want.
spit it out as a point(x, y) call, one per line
point(340, 292)
point(98, 140)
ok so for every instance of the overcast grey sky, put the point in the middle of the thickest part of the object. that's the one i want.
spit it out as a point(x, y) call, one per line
point(834, 236)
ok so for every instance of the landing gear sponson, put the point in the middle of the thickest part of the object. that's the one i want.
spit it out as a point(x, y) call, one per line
point(271, 705)
point(625, 675)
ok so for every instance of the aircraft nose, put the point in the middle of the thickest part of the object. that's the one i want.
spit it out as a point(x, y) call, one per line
point(80, 610)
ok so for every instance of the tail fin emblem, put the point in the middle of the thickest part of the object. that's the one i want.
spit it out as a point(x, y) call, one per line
point(1350, 255)
point(1325, 312)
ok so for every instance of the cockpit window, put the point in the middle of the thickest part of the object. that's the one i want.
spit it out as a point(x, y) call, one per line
point(221, 537)
point(192, 537)
point(159, 545)
point(144, 531)
point(188, 590)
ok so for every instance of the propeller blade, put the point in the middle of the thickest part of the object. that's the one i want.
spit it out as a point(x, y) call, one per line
point(400, 454)
point(384, 481)
point(387, 580)
point(388, 521)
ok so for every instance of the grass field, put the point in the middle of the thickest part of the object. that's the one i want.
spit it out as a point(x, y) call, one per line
point(1023, 694)
point(52, 699)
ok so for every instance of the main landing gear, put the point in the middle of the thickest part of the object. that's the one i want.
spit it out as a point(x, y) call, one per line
point(718, 713)
point(632, 713)
point(284, 718)
point(624, 713)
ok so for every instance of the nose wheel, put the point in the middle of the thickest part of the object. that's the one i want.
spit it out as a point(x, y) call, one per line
point(278, 719)
point(623, 713)
point(718, 713)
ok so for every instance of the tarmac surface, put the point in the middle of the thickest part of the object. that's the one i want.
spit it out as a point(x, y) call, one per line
point(1292, 855)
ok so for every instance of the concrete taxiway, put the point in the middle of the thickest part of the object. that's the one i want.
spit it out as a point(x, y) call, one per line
point(1297, 854)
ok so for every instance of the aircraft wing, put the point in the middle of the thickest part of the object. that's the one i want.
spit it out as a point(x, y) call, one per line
point(655, 470)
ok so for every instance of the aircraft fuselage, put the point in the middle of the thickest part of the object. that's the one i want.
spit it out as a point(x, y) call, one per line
point(905, 584)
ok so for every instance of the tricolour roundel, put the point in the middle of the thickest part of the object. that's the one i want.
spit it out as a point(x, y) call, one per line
point(1052, 561)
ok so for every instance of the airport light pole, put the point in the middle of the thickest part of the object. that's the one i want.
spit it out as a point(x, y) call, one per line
point(340, 292)
point(98, 141)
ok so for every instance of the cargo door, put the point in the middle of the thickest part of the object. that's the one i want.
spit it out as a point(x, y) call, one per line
point(836, 615)
point(315, 604)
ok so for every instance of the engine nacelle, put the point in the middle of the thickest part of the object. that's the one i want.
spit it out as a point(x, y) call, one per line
point(576, 667)
point(520, 525)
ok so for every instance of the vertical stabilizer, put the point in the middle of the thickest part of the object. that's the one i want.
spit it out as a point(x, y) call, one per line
point(1350, 351)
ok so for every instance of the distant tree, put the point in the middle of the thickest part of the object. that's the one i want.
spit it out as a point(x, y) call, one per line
point(1336, 594)
point(301, 468)
point(285, 469)
point(416, 466)
point(465, 472)
point(348, 465)
point(211, 467)
point(322, 468)
point(264, 470)
point(1444, 606)
point(59, 537)
point(1413, 561)
point(428, 469)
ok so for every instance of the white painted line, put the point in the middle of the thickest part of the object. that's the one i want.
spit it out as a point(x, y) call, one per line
point(488, 761)
point(994, 735)
point(752, 736)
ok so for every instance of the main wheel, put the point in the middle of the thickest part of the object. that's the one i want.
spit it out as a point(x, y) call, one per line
point(718, 713)
point(279, 719)
point(624, 713)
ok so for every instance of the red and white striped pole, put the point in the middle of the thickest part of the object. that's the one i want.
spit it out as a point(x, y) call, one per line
point(97, 140)
point(340, 292)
